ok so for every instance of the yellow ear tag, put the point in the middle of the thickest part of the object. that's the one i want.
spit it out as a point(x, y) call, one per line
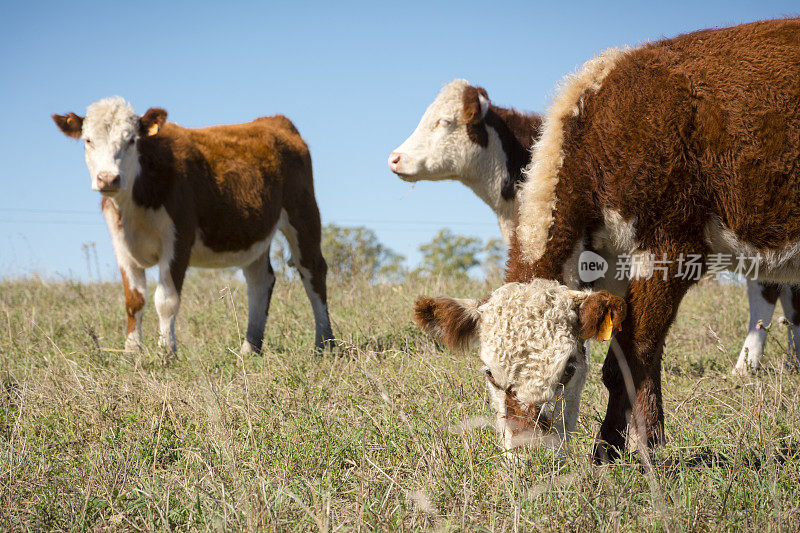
point(604, 333)
point(153, 129)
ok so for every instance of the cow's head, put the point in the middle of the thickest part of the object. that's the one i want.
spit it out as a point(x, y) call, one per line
point(110, 132)
point(531, 343)
point(448, 138)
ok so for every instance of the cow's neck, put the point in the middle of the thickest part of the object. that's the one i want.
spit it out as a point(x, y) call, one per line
point(500, 169)
point(487, 186)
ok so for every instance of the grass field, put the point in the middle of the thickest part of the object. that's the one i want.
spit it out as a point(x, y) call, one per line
point(93, 438)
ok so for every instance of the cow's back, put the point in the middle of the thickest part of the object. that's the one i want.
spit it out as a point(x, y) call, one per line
point(239, 177)
point(707, 121)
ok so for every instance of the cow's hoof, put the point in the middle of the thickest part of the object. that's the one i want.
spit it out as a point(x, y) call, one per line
point(743, 370)
point(604, 453)
point(248, 349)
point(327, 343)
point(133, 345)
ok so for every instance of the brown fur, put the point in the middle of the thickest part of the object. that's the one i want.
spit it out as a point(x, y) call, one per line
point(447, 320)
point(519, 419)
point(682, 130)
point(517, 131)
point(151, 121)
point(595, 308)
point(70, 124)
point(134, 302)
point(239, 177)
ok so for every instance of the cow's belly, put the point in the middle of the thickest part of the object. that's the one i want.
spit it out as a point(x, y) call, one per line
point(204, 257)
point(776, 264)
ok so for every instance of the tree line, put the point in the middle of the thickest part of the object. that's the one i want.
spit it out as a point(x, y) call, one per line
point(357, 252)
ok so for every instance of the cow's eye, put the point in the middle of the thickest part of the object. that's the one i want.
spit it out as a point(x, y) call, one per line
point(490, 378)
point(568, 373)
point(131, 142)
point(88, 142)
point(442, 122)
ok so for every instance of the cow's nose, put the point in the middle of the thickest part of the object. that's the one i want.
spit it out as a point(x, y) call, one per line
point(107, 181)
point(394, 161)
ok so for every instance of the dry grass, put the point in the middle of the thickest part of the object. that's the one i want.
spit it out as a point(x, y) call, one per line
point(94, 439)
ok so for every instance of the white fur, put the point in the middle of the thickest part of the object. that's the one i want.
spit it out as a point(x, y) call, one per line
point(205, 257)
point(537, 195)
point(437, 151)
point(528, 334)
point(109, 127)
point(761, 312)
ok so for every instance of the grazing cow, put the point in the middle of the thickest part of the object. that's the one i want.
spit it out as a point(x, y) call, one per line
point(208, 197)
point(681, 148)
point(531, 343)
point(463, 137)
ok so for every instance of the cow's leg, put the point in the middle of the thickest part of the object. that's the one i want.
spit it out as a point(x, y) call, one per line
point(171, 272)
point(761, 297)
point(632, 369)
point(790, 301)
point(303, 232)
point(134, 282)
point(260, 280)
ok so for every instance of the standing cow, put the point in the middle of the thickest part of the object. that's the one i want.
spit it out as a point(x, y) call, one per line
point(679, 148)
point(209, 197)
point(463, 137)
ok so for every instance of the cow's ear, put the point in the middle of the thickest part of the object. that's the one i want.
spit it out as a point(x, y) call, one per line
point(450, 320)
point(70, 124)
point(601, 315)
point(151, 122)
point(476, 104)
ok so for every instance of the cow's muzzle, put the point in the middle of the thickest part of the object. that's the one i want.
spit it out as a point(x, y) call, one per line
point(108, 183)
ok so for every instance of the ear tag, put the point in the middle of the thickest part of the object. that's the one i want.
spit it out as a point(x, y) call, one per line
point(605, 331)
point(153, 129)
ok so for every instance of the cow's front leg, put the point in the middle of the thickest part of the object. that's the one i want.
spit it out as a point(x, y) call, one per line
point(632, 370)
point(134, 282)
point(168, 298)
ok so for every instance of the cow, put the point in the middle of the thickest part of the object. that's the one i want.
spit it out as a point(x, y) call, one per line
point(463, 136)
point(678, 149)
point(207, 197)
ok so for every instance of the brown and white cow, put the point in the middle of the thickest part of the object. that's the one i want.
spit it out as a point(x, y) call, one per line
point(463, 137)
point(679, 147)
point(208, 197)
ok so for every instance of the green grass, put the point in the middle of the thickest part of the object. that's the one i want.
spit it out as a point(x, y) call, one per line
point(367, 439)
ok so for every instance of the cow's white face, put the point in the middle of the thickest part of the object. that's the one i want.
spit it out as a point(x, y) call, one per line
point(531, 343)
point(110, 132)
point(441, 148)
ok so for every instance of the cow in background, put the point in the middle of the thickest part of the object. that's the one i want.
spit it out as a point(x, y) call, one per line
point(208, 197)
point(463, 137)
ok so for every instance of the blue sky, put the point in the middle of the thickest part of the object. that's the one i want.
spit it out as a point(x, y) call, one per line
point(354, 77)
